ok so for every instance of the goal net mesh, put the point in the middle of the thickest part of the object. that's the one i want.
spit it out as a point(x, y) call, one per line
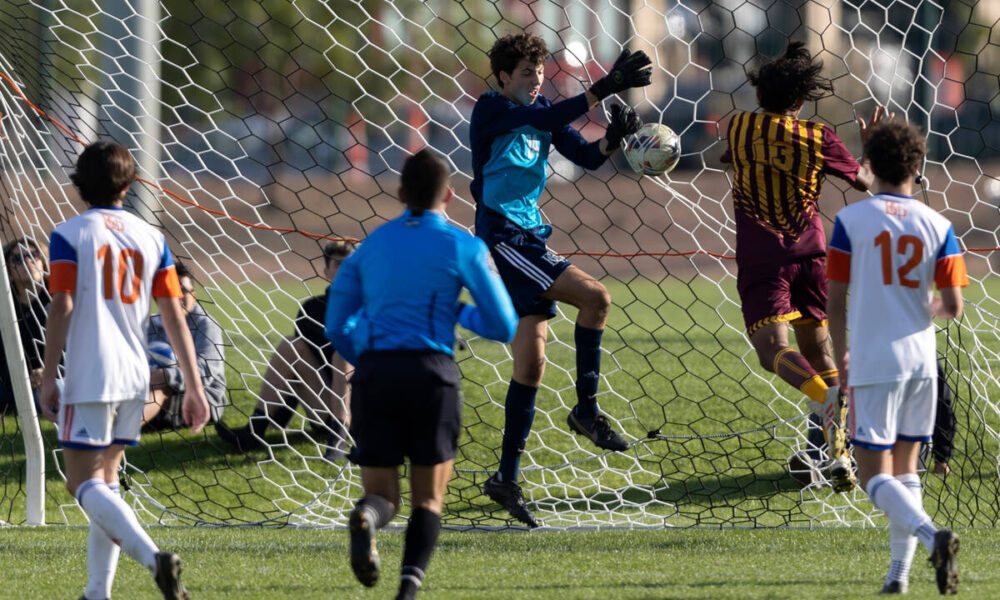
point(264, 128)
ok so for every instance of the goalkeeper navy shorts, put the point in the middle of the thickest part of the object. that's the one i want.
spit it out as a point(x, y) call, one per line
point(405, 403)
point(526, 265)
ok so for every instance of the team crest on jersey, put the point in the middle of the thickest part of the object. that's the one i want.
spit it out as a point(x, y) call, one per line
point(113, 223)
point(533, 146)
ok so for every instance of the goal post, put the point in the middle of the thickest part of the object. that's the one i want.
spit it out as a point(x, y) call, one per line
point(277, 126)
point(34, 457)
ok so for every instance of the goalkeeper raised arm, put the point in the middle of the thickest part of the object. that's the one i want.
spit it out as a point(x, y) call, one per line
point(511, 133)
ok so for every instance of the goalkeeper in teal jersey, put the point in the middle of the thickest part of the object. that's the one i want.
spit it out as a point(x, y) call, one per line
point(510, 136)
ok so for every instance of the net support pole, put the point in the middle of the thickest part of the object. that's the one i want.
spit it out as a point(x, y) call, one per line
point(17, 366)
point(131, 90)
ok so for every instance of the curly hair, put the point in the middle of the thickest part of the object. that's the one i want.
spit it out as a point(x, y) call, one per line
point(795, 77)
point(895, 149)
point(512, 49)
point(103, 170)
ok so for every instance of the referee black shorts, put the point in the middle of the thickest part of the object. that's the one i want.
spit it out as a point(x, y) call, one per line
point(405, 403)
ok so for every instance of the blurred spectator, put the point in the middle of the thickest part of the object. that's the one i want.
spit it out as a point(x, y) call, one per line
point(166, 386)
point(304, 369)
point(28, 269)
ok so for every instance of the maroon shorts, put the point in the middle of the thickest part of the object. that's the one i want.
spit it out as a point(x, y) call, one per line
point(778, 293)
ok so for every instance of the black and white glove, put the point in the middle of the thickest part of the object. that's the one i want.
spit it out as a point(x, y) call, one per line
point(632, 69)
point(623, 122)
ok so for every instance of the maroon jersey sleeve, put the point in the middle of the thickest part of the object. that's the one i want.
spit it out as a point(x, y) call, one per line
point(837, 160)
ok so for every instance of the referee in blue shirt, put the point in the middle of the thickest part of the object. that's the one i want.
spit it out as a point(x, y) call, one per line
point(392, 313)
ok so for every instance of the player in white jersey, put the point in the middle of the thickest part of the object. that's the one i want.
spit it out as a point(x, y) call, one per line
point(888, 251)
point(106, 265)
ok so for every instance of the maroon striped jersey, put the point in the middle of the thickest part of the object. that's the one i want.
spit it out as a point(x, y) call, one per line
point(779, 164)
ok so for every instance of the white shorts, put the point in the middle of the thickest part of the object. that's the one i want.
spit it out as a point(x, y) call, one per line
point(882, 413)
point(97, 425)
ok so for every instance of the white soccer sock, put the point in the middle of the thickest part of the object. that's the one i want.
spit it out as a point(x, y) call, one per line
point(110, 512)
point(102, 559)
point(902, 544)
point(893, 498)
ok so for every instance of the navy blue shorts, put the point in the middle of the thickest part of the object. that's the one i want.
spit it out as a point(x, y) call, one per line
point(526, 265)
point(405, 403)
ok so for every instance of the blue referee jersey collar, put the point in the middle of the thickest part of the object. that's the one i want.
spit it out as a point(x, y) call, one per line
point(424, 214)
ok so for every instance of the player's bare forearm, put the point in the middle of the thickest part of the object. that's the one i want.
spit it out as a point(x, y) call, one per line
point(180, 340)
point(57, 327)
point(342, 371)
point(592, 100)
point(865, 178)
point(949, 305)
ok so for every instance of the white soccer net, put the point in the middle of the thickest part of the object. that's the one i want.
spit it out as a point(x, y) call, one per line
point(265, 127)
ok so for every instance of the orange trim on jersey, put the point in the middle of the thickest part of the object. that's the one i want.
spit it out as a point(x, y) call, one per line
point(838, 265)
point(166, 284)
point(950, 272)
point(62, 277)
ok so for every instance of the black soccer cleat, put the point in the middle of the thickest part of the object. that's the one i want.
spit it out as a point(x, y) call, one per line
point(598, 430)
point(242, 438)
point(946, 544)
point(508, 495)
point(168, 576)
point(893, 587)
point(364, 553)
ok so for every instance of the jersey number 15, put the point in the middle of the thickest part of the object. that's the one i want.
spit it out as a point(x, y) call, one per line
point(128, 289)
point(909, 246)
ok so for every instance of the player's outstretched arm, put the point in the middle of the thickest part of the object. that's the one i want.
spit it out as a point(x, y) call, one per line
point(493, 316)
point(56, 329)
point(866, 177)
point(624, 122)
point(343, 300)
point(194, 407)
point(632, 69)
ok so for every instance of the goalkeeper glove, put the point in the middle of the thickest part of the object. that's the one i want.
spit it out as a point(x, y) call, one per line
point(623, 122)
point(629, 71)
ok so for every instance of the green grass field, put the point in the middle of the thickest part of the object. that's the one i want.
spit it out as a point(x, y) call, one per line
point(684, 564)
point(678, 364)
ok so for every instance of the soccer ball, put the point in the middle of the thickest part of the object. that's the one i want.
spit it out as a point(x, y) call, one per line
point(654, 150)
point(161, 355)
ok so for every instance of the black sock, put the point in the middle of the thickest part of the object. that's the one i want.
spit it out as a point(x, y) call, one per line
point(519, 414)
point(259, 422)
point(588, 370)
point(337, 433)
point(407, 590)
point(421, 537)
point(282, 415)
point(380, 507)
